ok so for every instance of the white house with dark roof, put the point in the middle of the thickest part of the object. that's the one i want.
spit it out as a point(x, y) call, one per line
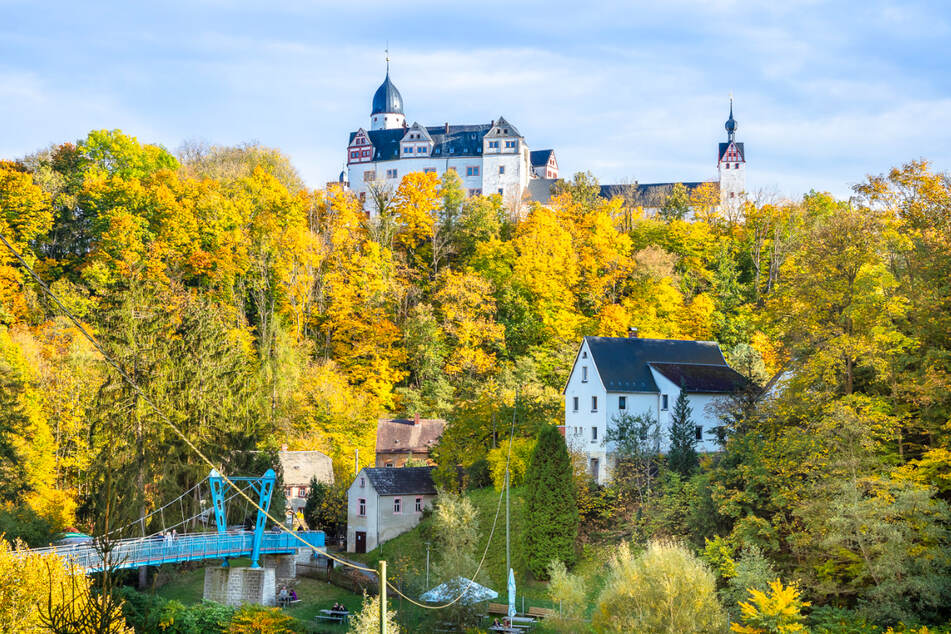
point(385, 502)
point(489, 158)
point(616, 375)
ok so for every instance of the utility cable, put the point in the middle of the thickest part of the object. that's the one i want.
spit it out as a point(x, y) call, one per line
point(165, 419)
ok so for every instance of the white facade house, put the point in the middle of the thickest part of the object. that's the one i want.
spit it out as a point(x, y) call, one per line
point(385, 502)
point(491, 158)
point(617, 375)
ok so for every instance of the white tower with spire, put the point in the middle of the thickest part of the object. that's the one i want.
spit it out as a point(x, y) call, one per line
point(387, 111)
point(731, 164)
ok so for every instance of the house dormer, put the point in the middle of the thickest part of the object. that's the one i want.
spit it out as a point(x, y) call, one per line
point(502, 138)
point(416, 143)
point(361, 148)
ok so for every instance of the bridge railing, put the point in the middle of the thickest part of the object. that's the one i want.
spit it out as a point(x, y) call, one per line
point(156, 550)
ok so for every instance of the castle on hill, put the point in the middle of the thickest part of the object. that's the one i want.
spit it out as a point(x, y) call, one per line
point(490, 158)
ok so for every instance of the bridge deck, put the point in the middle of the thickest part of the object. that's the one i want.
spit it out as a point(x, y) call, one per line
point(154, 551)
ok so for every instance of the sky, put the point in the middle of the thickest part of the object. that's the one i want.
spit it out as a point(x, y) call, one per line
point(825, 92)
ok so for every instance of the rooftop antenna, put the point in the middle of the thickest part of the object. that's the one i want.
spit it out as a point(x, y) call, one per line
point(387, 51)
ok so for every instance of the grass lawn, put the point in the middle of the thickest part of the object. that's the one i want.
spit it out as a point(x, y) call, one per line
point(315, 595)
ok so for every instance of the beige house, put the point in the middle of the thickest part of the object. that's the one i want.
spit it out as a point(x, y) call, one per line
point(385, 502)
point(299, 468)
point(402, 439)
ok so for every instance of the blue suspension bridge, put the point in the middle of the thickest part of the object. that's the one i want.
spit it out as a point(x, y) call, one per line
point(167, 546)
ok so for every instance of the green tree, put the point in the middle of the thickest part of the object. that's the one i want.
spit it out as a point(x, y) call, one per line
point(677, 203)
point(551, 507)
point(637, 452)
point(682, 455)
point(664, 590)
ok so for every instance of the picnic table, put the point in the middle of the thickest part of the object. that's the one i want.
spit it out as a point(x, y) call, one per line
point(339, 616)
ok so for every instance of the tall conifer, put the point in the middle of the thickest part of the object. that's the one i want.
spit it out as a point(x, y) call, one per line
point(552, 509)
point(682, 456)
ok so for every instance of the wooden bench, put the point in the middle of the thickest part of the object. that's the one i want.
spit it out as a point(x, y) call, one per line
point(540, 613)
point(498, 608)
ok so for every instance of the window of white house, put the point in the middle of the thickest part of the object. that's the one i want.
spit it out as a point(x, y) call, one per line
point(362, 507)
point(391, 173)
point(510, 144)
point(421, 150)
point(699, 432)
point(584, 374)
point(429, 170)
point(726, 166)
point(574, 402)
point(302, 492)
point(408, 149)
point(501, 192)
point(594, 434)
point(397, 505)
point(369, 176)
point(501, 169)
point(472, 170)
point(736, 166)
point(594, 403)
point(419, 505)
point(622, 402)
point(494, 144)
point(354, 154)
point(663, 402)
point(584, 354)
point(363, 482)
point(475, 192)
point(363, 197)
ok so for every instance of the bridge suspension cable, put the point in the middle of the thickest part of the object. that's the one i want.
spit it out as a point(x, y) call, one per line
point(171, 425)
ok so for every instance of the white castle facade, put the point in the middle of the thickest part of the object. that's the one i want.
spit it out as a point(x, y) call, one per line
point(492, 158)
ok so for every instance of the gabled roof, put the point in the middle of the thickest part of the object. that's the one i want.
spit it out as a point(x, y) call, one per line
point(622, 362)
point(539, 189)
point(406, 435)
point(725, 146)
point(502, 128)
point(300, 466)
point(424, 134)
point(402, 480)
point(540, 157)
point(698, 377)
point(460, 140)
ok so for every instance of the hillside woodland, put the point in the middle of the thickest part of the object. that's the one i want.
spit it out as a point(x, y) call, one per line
point(258, 312)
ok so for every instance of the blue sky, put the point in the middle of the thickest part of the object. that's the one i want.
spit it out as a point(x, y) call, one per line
point(826, 92)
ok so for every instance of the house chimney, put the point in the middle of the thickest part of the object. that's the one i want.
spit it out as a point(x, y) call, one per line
point(632, 333)
point(416, 418)
point(447, 127)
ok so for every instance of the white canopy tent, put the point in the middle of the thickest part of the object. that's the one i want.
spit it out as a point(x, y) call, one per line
point(474, 592)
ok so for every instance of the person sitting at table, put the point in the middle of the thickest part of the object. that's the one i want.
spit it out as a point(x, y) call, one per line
point(496, 624)
point(282, 596)
point(293, 595)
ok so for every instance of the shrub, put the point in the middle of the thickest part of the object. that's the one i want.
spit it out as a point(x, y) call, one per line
point(477, 475)
point(367, 620)
point(256, 619)
point(518, 464)
point(779, 612)
point(752, 571)
point(664, 589)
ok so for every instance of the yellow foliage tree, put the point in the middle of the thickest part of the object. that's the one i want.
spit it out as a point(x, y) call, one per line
point(779, 612)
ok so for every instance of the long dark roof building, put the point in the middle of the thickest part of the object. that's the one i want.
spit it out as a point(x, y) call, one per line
point(402, 481)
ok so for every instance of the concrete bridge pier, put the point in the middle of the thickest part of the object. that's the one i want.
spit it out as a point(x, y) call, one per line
point(234, 586)
point(285, 566)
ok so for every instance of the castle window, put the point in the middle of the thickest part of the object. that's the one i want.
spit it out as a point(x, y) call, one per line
point(736, 166)
point(732, 194)
point(408, 149)
point(429, 170)
point(365, 153)
point(475, 192)
point(472, 170)
point(421, 150)
point(369, 176)
point(501, 192)
point(391, 173)
point(354, 154)
point(501, 169)
point(363, 197)
point(494, 144)
point(510, 144)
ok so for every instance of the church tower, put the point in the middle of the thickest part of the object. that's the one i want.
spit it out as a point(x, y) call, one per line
point(387, 112)
point(731, 163)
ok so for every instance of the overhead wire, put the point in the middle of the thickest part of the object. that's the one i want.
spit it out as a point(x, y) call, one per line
point(168, 422)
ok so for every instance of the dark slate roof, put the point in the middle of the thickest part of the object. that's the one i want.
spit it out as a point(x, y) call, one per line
point(540, 157)
point(622, 362)
point(696, 377)
point(461, 140)
point(724, 146)
point(397, 435)
point(387, 98)
point(539, 189)
point(401, 480)
point(647, 194)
